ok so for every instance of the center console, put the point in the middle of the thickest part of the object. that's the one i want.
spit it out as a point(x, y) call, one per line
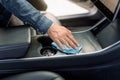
point(41, 45)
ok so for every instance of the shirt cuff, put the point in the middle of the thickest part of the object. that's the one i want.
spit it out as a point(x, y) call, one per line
point(44, 25)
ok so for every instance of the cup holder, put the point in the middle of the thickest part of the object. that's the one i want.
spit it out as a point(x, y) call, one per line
point(48, 51)
point(45, 41)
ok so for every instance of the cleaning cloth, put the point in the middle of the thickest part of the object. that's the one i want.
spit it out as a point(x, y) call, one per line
point(66, 49)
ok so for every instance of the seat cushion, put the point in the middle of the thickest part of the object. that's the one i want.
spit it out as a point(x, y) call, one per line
point(39, 75)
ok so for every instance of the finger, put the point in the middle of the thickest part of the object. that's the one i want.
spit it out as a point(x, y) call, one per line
point(58, 42)
point(71, 37)
point(72, 44)
point(66, 42)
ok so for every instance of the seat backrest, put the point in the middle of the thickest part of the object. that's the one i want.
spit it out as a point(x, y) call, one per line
point(39, 4)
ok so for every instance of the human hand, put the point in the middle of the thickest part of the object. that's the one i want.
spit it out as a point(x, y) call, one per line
point(62, 35)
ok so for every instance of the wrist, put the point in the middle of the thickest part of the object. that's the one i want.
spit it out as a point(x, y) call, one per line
point(51, 28)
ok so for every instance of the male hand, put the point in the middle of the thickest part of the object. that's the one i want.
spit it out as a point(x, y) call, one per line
point(62, 35)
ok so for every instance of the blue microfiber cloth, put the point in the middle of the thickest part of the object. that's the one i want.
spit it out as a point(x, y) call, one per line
point(66, 49)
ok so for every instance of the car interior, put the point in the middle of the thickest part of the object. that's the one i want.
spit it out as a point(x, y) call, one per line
point(97, 30)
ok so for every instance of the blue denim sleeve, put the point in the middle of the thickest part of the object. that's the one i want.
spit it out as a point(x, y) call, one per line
point(27, 13)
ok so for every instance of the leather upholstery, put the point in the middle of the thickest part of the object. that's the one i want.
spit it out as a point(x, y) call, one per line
point(14, 42)
point(39, 4)
point(39, 75)
point(14, 21)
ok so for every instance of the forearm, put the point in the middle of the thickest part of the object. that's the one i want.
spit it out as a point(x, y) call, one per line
point(27, 13)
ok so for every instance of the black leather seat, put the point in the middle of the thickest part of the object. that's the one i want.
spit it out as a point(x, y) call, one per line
point(39, 4)
point(38, 75)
